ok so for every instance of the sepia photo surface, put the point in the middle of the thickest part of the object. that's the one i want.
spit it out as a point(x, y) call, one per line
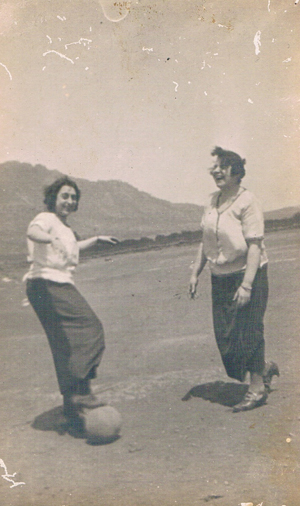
point(129, 99)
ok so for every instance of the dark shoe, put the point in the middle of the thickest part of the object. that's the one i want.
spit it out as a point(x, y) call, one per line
point(73, 404)
point(89, 401)
point(271, 370)
point(76, 426)
point(251, 401)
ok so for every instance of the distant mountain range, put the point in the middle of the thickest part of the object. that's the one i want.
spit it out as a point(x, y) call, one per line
point(106, 207)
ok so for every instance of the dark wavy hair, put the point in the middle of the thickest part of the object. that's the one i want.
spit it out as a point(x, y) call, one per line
point(51, 191)
point(231, 159)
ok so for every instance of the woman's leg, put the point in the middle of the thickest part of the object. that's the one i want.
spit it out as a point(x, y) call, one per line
point(227, 325)
point(258, 304)
point(254, 335)
point(41, 301)
point(75, 335)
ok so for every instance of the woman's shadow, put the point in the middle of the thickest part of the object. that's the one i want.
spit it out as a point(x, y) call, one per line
point(55, 420)
point(227, 394)
point(52, 420)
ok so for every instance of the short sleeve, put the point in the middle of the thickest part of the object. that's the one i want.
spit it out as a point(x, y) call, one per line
point(44, 221)
point(252, 218)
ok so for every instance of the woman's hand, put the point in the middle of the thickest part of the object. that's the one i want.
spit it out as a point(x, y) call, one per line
point(193, 286)
point(107, 238)
point(242, 296)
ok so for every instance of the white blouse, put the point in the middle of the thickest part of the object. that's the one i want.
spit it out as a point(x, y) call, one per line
point(226, 231)
point(50, 263)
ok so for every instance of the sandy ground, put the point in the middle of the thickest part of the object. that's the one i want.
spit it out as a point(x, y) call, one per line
point(160, 345)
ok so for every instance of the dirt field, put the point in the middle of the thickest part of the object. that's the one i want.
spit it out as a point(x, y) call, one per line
point(160, 345)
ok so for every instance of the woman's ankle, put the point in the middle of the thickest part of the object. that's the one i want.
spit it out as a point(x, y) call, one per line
point(256, 383)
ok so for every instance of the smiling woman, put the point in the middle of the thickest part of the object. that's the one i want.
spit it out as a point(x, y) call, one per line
point(233, 246)
point(74, 332)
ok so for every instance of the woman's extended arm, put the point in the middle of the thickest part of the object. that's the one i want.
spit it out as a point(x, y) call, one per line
point(197, 269)
point(243, 294)
point(92, 241)
point(36, 234)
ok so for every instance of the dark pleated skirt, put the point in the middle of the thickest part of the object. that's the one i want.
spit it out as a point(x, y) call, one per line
point(240, 331)
point(74, 332)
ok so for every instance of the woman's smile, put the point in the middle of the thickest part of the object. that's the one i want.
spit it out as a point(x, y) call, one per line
point(218, 177)
point(66, 201)
point(222, 175)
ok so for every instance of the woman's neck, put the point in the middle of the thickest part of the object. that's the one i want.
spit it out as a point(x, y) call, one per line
point(63, 219)
point(227, 196)
point(231, 191)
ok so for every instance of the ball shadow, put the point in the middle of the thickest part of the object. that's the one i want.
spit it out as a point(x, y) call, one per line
point(226, 394)
point(102, 442)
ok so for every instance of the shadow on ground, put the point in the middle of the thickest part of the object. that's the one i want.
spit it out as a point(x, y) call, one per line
point(52, 420)
point(55, 420)
point(227, 394)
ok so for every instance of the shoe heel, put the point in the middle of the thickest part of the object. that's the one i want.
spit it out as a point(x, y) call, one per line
point(272, 370)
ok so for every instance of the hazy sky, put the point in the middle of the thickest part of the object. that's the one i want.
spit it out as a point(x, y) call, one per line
point(141, 91)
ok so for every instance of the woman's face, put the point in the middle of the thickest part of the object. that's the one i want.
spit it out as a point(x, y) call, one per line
point(66, 201)
point(222, 175)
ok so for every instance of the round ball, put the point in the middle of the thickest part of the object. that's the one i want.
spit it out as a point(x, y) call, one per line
point(102, 425)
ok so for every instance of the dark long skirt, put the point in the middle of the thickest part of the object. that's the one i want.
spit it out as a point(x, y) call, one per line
point(74, 332)
point(240, 331)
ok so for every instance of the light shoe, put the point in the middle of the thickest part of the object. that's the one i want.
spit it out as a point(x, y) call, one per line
point(251, 401)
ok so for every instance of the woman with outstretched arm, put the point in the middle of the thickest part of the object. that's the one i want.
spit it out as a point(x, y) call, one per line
point(74, 332)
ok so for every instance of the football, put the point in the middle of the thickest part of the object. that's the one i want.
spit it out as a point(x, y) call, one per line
point(101, 425)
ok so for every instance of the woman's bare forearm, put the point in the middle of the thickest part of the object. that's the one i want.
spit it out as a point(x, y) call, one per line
point(197, 269)
point(36, 234)
point(243, 293)
point(87, 243)
point(92, 241)
point(253, 261)
point(199, 262)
